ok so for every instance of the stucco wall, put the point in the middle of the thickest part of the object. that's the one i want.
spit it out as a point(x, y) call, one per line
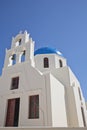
point(59, 117)
point(71, 107)
point(30, 83)
point(53, 61)
point(73, 79)
point(79, 99)
point(86, 105)
point(62, 75)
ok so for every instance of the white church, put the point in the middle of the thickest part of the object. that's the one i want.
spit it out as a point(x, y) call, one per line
point(38, 88)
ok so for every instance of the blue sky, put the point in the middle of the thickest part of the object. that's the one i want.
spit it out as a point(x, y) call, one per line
point(60, 24)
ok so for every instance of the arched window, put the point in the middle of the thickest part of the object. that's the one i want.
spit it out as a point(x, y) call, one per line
point(23, 56)
point(13, 59)
point(18, 42)
point(60, 63)
point(46, 62)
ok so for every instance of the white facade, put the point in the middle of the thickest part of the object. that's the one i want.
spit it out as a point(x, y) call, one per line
point(59, 100)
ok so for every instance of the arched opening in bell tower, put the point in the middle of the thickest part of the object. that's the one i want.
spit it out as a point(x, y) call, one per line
point(12, 60)
point(23, 56)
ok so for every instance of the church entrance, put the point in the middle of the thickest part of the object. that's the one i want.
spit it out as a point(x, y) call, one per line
point(12, 115)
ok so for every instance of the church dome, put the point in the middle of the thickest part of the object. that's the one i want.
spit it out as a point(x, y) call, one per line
point(47, 50)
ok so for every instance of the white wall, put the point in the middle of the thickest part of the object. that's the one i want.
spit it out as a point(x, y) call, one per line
point(53, 61)
point(59, 117)
point(73, 79)
point(62, 74)
point(24, 110)
point(30, 82)
point(74, 83)
point(71, 108)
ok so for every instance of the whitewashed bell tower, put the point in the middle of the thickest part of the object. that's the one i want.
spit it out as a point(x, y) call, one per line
point(21, 44)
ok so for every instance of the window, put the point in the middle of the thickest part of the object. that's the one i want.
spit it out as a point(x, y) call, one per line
point(34, 107)
point(83, 116)
point(60, 62)
point(15, 83)
point(23, 56)
point(19, 42)
point(13, 59)
point(46, 62)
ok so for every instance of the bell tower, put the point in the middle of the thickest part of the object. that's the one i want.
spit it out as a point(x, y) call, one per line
point(22, 50)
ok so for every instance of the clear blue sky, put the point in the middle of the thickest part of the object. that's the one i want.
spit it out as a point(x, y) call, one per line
point(61, 24)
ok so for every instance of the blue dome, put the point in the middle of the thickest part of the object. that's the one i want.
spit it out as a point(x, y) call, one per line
point(47, 50)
